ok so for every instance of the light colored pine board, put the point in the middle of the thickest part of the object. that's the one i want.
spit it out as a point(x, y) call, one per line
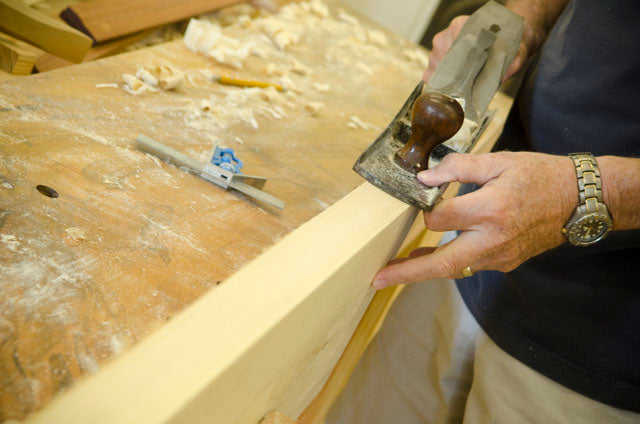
point(104, 20)
point(267, 339)
point(16, 56)
point(44, 31)
point(275, 417)
point(374, 317)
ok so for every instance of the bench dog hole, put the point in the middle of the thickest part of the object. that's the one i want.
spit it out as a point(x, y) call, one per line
point(47, 191)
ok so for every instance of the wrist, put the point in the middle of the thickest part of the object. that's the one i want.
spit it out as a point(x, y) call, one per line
point(591, 221)
point(570, 193)
point(539, 18)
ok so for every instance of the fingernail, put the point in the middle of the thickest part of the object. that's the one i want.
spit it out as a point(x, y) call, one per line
point(378, 283)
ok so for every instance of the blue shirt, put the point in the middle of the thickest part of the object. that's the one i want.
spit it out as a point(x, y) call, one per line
point(573, 313)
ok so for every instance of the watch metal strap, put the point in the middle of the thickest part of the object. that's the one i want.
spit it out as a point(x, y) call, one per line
point(589, 184)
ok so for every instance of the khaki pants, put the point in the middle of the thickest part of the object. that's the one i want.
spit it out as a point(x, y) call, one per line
point(431, 363)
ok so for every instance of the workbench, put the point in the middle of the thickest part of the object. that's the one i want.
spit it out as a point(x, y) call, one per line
point(133, 291)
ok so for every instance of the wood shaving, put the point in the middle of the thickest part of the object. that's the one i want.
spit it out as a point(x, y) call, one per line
point(165, 77)
point(319, 8)
point(321, 87)
point(107, 85)
point(281, 32)
point(314, 107)
point(357, 123)
point(416, 55)
point(205, 105)
point(289, 85)
point(171, 82)
point(345, 17)
point(168, 77)
point(164, 71)
point(378, 37)
point(273, 69)
point(132, 81)
point(207, 38)
point(146, 77)
point(133, 85)
point(299, 68)
point(269, 94)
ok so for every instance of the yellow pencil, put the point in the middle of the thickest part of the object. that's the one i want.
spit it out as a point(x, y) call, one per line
point(245, 83)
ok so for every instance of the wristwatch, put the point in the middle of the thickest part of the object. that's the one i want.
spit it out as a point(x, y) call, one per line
point(591, 221)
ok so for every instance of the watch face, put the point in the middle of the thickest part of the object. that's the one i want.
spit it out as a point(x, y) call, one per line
point(589, 229)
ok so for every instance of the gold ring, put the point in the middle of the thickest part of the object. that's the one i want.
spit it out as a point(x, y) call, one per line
point(467, 272)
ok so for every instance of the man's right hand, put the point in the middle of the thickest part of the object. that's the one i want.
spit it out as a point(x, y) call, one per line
point(443, 41)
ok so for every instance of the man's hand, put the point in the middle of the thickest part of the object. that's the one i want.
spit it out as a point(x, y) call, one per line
point(443, 41)
point(519, 211)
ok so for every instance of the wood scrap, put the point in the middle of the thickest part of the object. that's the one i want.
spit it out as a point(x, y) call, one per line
point(17, 57)
point(104, 20)
point(44, 31)
point(112, 47)
point(51, 7)
point(49, 62)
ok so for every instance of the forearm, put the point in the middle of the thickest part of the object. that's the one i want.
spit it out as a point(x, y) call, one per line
point(539, 17)
point(621, 190)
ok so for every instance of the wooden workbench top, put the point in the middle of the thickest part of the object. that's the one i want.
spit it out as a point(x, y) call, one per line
point(130, 241)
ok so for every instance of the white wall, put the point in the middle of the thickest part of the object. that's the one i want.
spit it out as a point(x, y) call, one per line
point(407, 17)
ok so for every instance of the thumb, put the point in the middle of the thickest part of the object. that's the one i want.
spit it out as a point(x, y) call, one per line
point(464, 168)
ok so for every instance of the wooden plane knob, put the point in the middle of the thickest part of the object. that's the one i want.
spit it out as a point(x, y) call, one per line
point(435, 118)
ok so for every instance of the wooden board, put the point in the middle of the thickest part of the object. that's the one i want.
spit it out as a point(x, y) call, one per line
point(383, 300)
point(17, 57)
point(42, 30)
point(104, 20)
point(49, 62)
point(130, 241)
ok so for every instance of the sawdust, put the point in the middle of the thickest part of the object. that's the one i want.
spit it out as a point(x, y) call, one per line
point(10, 242)
point(75, 233)
point(357, 123)
point(230, 39)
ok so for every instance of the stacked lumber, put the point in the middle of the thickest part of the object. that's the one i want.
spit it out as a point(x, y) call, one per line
point(17, 57)
point(105, 20)
point(42, 30)
point(109, 25)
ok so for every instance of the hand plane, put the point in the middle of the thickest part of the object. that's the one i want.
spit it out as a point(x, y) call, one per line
point(449, 113)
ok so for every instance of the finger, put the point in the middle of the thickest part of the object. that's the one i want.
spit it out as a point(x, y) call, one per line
point(441, 43)
point(447, 261)
point(517, 63)
point(457, 213)
point(421, 251)
point(433, 63)
point(464, 168)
